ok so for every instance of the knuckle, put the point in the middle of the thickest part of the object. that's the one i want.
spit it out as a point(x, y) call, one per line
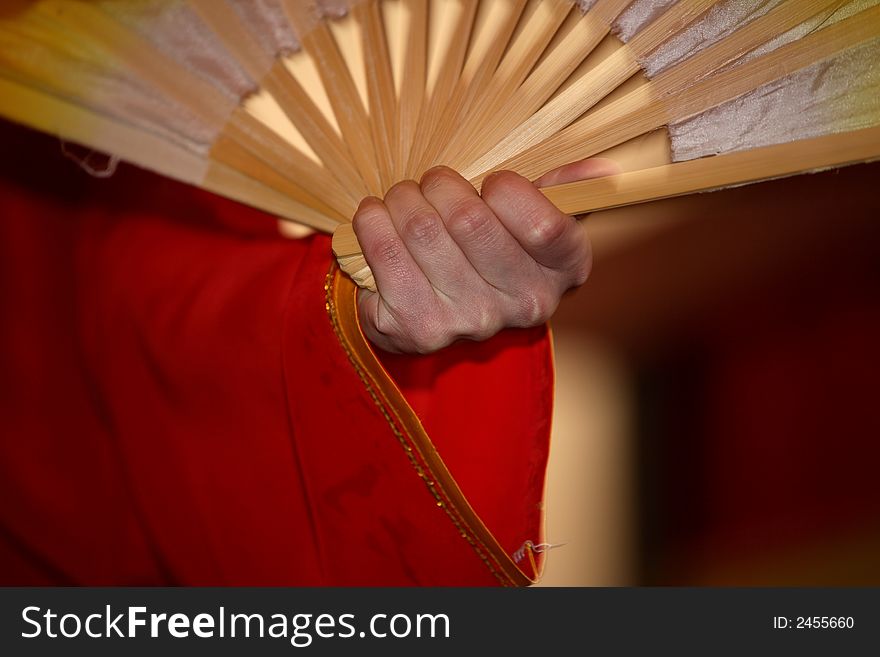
point(575, 264)
point(427, 339)
point(411, 332)
point(581, 273)
point(418, 327)
point(366, 214)
point(436, 177)
point(470, 220)
point(501, 179)
point(389, 250)
point(399, 188)
point(484, 323)
point(545, 230)
point(535, 308)
point(421, 227)
point(384, 323)
point(583, 259)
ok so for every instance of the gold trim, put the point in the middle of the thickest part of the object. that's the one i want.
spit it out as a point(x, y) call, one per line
point(341, 306)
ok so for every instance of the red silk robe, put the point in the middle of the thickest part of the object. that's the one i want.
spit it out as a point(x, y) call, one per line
point(186, 399)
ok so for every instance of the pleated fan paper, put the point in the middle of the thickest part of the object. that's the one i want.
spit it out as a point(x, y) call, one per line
point(303, 107)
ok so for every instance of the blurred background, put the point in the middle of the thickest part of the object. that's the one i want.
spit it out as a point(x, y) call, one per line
point(718, 405)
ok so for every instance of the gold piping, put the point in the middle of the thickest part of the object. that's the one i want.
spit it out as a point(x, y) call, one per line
point(437, 478)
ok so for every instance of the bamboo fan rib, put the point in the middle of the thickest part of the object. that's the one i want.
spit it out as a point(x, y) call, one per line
point(303, 107)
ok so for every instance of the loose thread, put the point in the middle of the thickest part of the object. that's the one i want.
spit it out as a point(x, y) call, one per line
point(109, 168)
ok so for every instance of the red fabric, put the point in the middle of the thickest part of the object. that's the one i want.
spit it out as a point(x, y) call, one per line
point(176, 409)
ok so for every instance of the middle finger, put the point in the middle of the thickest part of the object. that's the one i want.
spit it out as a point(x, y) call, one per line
point(425, 236)
point(488, 246)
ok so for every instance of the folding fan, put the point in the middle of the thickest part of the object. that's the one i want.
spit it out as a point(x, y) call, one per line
point(303, 107)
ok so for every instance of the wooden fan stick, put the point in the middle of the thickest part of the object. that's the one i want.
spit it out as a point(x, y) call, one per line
point(655, 105)
point(174, 82)
point(70, 88)
point(412, 83)
point(83, 23)
point(588, 89)
point(276, 152)
point(503, 115)
point(74, 122)
point(438, 95)
point(88, 24)
point(273, 76)
point(148, 63)
point(717, 172)
point(699, 97)
point(539, 23)
point(380, 89)
point(56, 39)
point(229, 151)
point(681, 178)
point(298, 170)
point(346, 102)
point(25, 103)
point(302, 111)
point(490, 39)
point(225, 181)
point(609, 74)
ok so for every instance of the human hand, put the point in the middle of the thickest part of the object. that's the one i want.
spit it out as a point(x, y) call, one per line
point(451, 264)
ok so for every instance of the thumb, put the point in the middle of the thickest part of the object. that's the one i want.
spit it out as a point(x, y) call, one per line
point(594, 167)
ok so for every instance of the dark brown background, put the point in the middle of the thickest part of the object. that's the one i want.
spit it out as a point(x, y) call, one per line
point(748, 321)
